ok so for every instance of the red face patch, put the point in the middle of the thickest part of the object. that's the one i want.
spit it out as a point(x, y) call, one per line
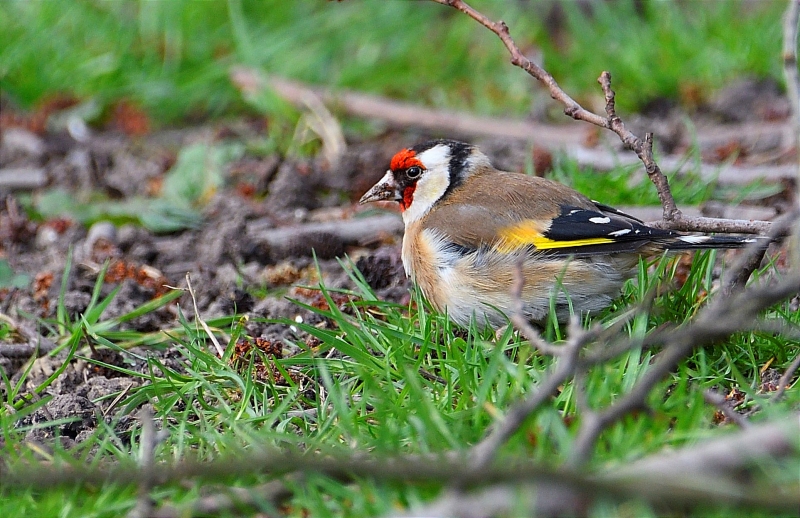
point(404, 159)
point(408, 197)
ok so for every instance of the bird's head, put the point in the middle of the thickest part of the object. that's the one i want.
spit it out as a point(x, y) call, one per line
point(423, 175)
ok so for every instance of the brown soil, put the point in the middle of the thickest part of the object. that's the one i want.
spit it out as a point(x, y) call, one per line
point(226, 260)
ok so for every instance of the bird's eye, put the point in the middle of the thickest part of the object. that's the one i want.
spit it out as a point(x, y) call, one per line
point(413, 172)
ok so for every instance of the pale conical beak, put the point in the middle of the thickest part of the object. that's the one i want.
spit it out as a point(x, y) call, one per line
point(385, 189)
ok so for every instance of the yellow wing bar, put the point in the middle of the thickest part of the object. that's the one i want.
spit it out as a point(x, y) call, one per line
point(530, 233)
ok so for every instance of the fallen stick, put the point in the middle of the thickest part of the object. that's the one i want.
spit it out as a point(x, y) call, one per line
point(710, 209)
point(567, 136)
point(326, 239)
point(724, 456)
point(454, 123)
point(722, 173)
point(22, 178)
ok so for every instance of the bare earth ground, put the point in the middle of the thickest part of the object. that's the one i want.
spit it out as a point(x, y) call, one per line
point(255, 238)
point(226, 257)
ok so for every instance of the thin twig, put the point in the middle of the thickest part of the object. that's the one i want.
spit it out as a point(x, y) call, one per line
point(752, 262)
point(432, 377)
point(571, 107)
point(701, 224)
point(786, 378)
point(724, 456)
point(274, 492)
point(35, 342)
point(581, 396)
point(511, 499)
point(117, 399)
point(521, 322)
point(483, 453)
point(643, 149)
point(209, 333)
point(147, 447)
point(610, 337)
point(739, 272)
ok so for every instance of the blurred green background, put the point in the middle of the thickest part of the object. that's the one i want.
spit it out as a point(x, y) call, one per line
point(173, 58)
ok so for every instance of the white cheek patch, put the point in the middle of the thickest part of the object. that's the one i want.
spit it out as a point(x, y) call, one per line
point(432, 184)
point(429, 189)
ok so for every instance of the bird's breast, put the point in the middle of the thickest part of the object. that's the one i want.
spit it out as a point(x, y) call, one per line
point(432, 263)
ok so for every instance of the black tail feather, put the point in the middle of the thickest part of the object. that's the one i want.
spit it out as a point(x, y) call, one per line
point(706, 242)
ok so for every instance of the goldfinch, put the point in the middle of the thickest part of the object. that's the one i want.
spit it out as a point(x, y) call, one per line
point(468, 227)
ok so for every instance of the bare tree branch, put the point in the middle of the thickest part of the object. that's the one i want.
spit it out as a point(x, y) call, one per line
point(701, 224)
point(751, 262)
point(404, 114)
point(643, 149)
point(720, 457)
point(786, 378)
point(483, 453)
point(724, 316)
point(567, 137)
point(660, 479)
point(645, 152)
point(674, 480)
point(348, 231)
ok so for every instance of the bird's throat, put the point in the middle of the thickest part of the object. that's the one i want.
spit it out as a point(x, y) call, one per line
point(408, 197)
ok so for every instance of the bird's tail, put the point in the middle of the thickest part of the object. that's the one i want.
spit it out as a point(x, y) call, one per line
point(679, 243)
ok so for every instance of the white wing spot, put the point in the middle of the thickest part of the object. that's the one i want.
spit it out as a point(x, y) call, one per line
point(694, 239)
point(600, 221)
point(574, 211)
point(622, 232)
point(751, 240)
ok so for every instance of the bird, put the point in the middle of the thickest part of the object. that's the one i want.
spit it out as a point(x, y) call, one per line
point(471, 228)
